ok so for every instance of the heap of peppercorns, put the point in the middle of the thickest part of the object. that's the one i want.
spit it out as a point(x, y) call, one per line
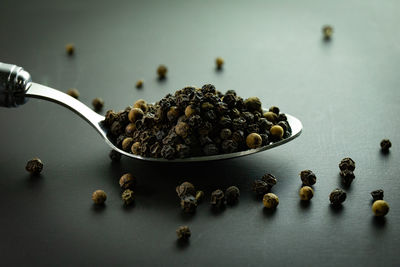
point(195, 122)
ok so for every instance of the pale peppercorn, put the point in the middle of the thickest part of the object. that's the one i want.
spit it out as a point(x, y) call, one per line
point(380, 208)
point(306, 193)
point(135, 114)
point(327, 32)
point(135, 149)
point(127, 143)
point(276, 131)
point(98, 103)
point(70, 49)
point(253, 140)
point(185, 189)
point(73, 92)
point(162, 71)
point(142, 104)
point(139, 84)
point(219, 62)
point(270, 201)
point(99, 197)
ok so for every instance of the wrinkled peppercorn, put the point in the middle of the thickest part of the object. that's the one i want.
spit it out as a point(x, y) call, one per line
point(182, 129)
point(34, 166)
point(327, 32)
point(115, 156)
point(270, 201)
point(347, 176)
point(260, 187)
point(380, 208)
point(188, 204)
point(217, 199)
point(377, 194)
point(139, 84)
point(253, 140)
point(127, 181)
point(347, 164)
point(337, 196)
point(73, 92)
point(98, 103)
point(128, 197)
point(185, 189)
point(385, 145)
point(199, 196)
point(232, 195)
point(225, 133)
point(269, 179)
point(162, 71)
point(308, 177)
point(99, 197)
point(210, 149)
point(183, 233)
point(306, 193)
point(253, 104)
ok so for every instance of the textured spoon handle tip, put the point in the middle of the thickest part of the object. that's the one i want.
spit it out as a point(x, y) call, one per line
point(14, 82)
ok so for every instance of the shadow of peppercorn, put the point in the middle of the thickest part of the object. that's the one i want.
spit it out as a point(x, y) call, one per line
point(378, 222)
point(269, 212)
point(127, 208)
point(305, 205)
point(34, 180)
point(217, 211)
point(336, 209)
point(186, 217)
point(182, 244)
point(346, 186)
point(98, 208)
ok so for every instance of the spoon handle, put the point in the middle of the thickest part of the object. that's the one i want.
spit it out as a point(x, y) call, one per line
point(14, 82)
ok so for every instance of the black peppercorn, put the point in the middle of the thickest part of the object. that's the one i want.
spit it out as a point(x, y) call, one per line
point(269, 179)
point(377, 194)
point(73, 92)
point(217, 199)
point(183, 233)
point(260, 187)
point(185, 189)
point(229, 146)
point(274, 110)
point(173, 113)
point(34, 166)
point(385, 145)
point(225, 133)
point(337, 196)
point(98, 103)
point(232, 195)
point(308, 177)
point(253, 104)
point(347, 164)
point(127, 181)
point(116, 128)
point(115, 156)
point(99, 197)
point(139, 84)
point(162, 71)
point(210, 149)
point(128, 197)
point(188, 204)
point(347, 176)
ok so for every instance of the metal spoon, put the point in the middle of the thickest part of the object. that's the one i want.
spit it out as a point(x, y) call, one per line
point(16, 87)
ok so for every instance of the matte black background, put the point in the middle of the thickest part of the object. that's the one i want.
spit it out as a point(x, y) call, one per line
point(346, 92)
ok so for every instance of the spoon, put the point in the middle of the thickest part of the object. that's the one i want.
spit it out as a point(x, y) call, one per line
point(16, 87)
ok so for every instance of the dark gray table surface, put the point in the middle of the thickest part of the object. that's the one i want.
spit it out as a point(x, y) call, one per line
point(346, 92)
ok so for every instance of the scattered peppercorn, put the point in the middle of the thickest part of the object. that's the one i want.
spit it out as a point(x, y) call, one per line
point(199, 196)
point(34, 166)
point(128, 197)
point(253, 140)
point(232, 195)
point(127, 181)
point(327, 31)
point(162, 71)
point(347, 164)
point(115, 156)
point(306, 193)
point(347, 176)
point(260, 187)
point(97, 103)
point(269, 179)
point(73, 92)
point(183, 233)
point(385, 145)
point(70, 49)
point(270, 201)
point(99, 197)
point(139, 84)
point(380, 208)
point(217, 199)
point(308, 177)
point(188, 203)
point(337, 196)
point(219, 62)
point(185, 189)
point(377, 194)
